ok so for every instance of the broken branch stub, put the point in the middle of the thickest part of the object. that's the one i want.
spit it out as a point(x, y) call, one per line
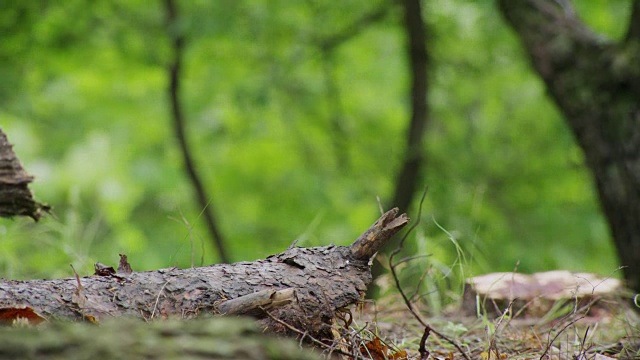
point(255, 304)
point(378, 234)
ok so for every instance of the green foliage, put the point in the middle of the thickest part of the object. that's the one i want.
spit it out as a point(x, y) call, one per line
point(84, 100)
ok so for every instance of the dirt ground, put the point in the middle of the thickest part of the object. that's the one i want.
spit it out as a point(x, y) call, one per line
point(607, 330)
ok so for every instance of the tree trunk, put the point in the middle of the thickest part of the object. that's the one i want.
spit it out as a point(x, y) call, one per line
point(408, 176)
point(302, 287)
point(596, 85)
point(204, 200)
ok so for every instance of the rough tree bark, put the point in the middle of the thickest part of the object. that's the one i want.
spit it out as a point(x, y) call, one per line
point(304, 287)
point(15, 197)
point(596, 84)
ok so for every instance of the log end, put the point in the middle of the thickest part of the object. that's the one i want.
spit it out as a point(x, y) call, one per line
point(378, 234)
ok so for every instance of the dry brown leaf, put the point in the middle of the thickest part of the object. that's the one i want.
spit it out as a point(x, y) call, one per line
point(379, 351)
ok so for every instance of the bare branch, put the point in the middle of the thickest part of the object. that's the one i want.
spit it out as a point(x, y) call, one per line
point(331, 42)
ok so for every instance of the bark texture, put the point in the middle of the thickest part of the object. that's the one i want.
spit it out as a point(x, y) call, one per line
point(596, 84)
point(15, 197)
point(323, 280)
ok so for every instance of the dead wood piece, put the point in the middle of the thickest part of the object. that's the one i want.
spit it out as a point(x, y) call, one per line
point(257, 303)
point(377, 235)
point(15, 197)
point(326, 279)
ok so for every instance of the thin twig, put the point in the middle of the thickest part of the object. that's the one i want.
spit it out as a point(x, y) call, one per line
point(155, 306)
point(585, 309)
point(304, 334)
point(546, 350)
point(410, 258)
point(492, 339)
point(582, 354)
point(424, 353)
point(407, 302)
point(416, 292)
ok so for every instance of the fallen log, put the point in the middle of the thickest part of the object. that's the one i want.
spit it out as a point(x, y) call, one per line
point(301, 288)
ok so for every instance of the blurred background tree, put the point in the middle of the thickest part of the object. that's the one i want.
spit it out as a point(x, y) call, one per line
point(595, 82)
point(296, 113)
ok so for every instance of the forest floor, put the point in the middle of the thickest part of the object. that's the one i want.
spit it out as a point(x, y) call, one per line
point(607, 330)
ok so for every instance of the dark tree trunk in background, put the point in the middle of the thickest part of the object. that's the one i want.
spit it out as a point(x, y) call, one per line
point(409, 175)
point(202, 199)
point(596, 85)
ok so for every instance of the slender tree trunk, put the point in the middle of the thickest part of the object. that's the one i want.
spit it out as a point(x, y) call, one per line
point(409, 175)
point(596, 85)
point(203, 200)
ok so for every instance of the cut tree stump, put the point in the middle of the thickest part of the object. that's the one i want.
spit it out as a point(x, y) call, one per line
point(301, 288)
point(536, 294)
